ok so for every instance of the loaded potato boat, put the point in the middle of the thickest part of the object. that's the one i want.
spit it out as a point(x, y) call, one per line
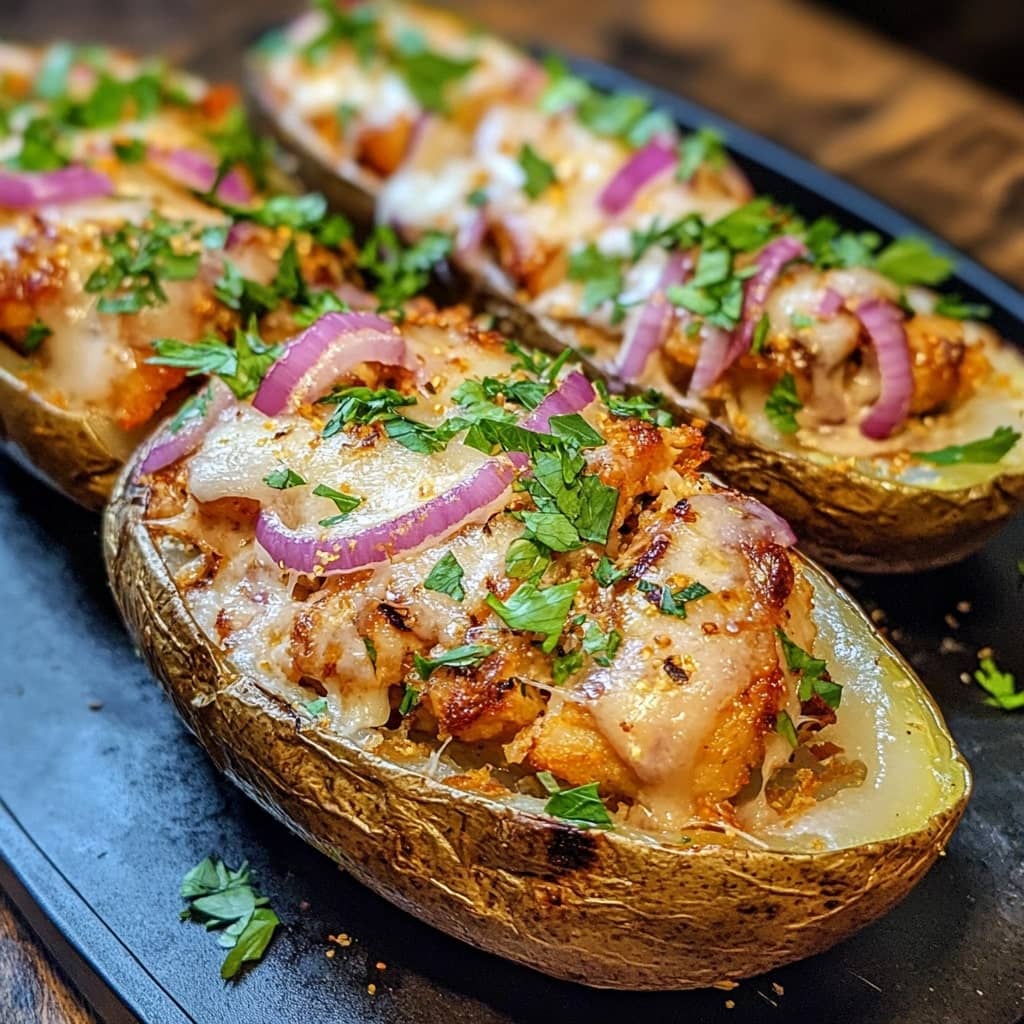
point(879, 415)
point(133, 209)
point(497, 645)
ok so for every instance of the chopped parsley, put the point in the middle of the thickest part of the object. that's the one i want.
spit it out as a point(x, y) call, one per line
point(241, 365)
point(910, 261)
point(427, 74)
point(564, 89)
point(540, 175)
point(130, 151)
point(457, 657)
point(225, 900)
point(526, 559)
point(249, 297)
point(581, 806)
point(237, 145)
point(600, 645)
point(42, 147)
point(832, 247)
point(783, 404)
point(410, 700)
point(760, 338)
point(362, 405)
point(957, 309)
point(812, 672)
point(785, 728)
point(563, 666)
point(715, 291)
point(400, 272)
point(446, 577)
point(35, 335)
point(315, 708)
point(344, 503)
point(646, 406)
point(600, 273)
point(623, 116)
point(985, 450)
point(355, 25)
point(532, 609)
point(1001, 686)
point(606, 574)
point(139, 258)
point(703, 148)
point(669, 601)
point(283, 478)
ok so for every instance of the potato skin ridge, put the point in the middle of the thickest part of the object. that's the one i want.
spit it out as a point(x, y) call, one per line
point(597, 908)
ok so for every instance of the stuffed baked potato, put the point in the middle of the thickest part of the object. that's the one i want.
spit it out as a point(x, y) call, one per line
point(500, 649)
point(877, 415)
point(131, 211)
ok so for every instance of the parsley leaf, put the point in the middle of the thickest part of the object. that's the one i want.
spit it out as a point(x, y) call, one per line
point(581, 805)
point(783, 404)
point(600, 645)
point(703, 147)
point(913, 261)
point(606, 574)
point(36, 333)
point(224, 899)
point(956, 308)
point(531, 609)
point(356, 25)
point(410, 699)
point(446, 577)
point(564, 89)
point(813, 673)
point(343, 502)
point(647, 407)
point(672, 602)
point(999, 685)
point(784, 727)
point(526, 558)
point(985, 450)
point(540, 175)
point(315, 708)
point(42, 147)
point(831, 247)
point(283, 478)
point(457, 657)
point(428, 75)
point(601, 274)
point(362, 405)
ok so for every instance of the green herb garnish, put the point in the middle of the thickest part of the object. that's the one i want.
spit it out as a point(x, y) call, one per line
point(783, 404)
point(1001, 686)
point(669, 601)
point(410, 699)
point(540, 175)
point(226, 901)
point(784, 727)
point(344, 503)
point(813, 673)
point(36, 334)
point(532, 609)
point(984, 451)
point(282, 478)
point(446, 577)
point(457, 657)
point(909, 261)
point(703, 147)
point(581, 805)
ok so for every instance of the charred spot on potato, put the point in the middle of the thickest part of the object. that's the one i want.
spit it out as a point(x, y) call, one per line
point(571, 849)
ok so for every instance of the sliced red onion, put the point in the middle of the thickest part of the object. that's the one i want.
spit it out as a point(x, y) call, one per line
point(197, 171)
point(831, 302)
point(26, 190)
point(883, 322)
point(654, 322)
point(476, 499)
point(168, 447)
point(323, 352)
point(770, 261)
point(471, 235)
point(646, 163)
point(712, 359)
point(473, 500)
point(781, 532)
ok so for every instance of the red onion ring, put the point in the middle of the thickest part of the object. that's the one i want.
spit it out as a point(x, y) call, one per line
point(167, 447)
point(831, 302)
point(712, 359)
point(197, 171)
point(26, 190)
point(471, 235)
point(475, 499)
point(654, 321)
point(770, 261)
point(646, 163)
point(324, 351)
point(883, 323)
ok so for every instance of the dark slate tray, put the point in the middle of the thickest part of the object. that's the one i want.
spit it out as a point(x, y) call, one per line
point(105, 801)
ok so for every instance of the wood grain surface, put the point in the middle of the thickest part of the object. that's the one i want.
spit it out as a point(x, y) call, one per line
point(945, 151)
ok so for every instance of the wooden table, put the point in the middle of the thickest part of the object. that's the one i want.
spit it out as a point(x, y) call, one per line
point(945, 151)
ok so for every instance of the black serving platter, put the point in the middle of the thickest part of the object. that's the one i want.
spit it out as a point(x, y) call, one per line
point(105, 800)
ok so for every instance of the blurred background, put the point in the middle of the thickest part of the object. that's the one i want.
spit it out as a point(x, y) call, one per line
point(918, 102)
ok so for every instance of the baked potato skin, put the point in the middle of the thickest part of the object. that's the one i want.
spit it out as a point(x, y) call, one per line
point(596, 908)
point(847, 520)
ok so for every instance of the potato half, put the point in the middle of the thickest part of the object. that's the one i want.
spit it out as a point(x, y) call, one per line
point(609, 909)
point(847, 516)
point(77, 451)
